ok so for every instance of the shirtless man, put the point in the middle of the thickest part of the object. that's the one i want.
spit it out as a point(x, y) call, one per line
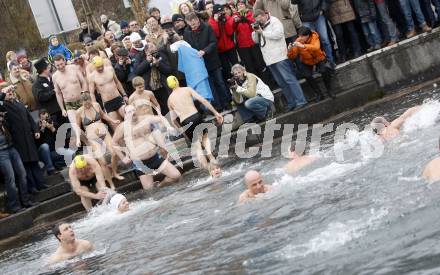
point(92, 52)
point(298, 162)
point(255, 185)
point(142, 146)
point(431, 172)
point(79, 59)
point(85, 173)
point(68, 83)
point(386, 130)
point(143, 100)
point(112, 93)
point(69, 246)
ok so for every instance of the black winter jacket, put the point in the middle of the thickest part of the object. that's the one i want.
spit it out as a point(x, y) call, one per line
point(44, 93)
point(309, 10)
point(205, 40)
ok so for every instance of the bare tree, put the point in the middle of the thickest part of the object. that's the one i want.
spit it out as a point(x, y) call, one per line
point(139, 8)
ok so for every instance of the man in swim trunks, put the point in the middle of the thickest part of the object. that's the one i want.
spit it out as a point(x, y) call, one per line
point(113, 95)
point(255, 185)
point(68, 83)
point(181, 103)
point(431, 172)
point(86, 173)
point(298, 162)
point(386, 130)
point(142, 146)
point(69, 246)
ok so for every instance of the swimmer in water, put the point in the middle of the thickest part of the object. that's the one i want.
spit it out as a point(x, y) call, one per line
point(298, 162)
point(69, 246)
point(119, 203)
point(386, 130)
point(207, 161)
point(255, 185)
point(431, 173)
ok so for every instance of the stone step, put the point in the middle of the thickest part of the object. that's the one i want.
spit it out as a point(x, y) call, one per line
point(59, 213)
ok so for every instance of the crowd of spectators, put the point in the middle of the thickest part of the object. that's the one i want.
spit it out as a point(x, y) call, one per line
point(230, 52)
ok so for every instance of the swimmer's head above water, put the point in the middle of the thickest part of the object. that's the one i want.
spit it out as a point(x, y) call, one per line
point(119, 203)
point(63, 232)
point(215, 170)
point(378, 124)
point(254, 182)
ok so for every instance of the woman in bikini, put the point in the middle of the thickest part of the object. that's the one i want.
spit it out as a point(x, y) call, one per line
point(89, 117)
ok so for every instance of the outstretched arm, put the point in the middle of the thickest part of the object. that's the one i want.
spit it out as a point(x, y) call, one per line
point(208, 105)
point(397, 123)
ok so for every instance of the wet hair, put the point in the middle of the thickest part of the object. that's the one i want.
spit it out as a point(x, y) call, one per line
point(212, 165)
point(85, 96)
point(56, 230)
point(304, 31)
point(190, 16)
point(137, 81)
point(59, 57)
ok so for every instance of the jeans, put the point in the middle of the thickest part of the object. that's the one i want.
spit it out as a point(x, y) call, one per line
point(320, 26)
point(354, 39)
point(50, 159)
point(222, 96)
point(254, 107)
point(283, 74)
point(408, 7)
point(34, 175)
point(426, 6)
point(391, 30)
point(10, 162)
point(371, 33)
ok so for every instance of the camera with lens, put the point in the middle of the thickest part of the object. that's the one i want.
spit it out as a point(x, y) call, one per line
point(231, 81)
point(155, 54)
point(222, 17)
point(256, 26)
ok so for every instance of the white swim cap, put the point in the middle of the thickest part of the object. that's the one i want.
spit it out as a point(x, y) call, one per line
point(116, 200)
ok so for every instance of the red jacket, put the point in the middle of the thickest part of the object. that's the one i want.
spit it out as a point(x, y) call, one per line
point(224, 33)
point(244, 30)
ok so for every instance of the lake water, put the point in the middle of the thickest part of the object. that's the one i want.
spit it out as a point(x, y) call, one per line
point(361, 215)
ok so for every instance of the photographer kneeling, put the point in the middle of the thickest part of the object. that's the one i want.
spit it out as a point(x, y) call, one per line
point(253, 97)
point(308, 47)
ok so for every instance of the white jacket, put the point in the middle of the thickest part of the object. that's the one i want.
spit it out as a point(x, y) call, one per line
point(262, 89)
point(275, 49)
point(114, 27)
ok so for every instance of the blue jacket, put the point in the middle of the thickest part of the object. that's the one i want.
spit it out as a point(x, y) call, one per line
point(195, 71)
point(60, 49)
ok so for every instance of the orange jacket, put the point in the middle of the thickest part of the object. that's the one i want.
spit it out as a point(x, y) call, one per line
point(311, 54)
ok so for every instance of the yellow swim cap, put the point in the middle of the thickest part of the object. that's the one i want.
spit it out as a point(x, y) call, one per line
point(172, 82)
point(98, 61)
point(80, 162)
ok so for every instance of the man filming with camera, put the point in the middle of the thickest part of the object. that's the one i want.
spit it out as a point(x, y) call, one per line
point(253, 97)
point(223, 27)
point(269, 34)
